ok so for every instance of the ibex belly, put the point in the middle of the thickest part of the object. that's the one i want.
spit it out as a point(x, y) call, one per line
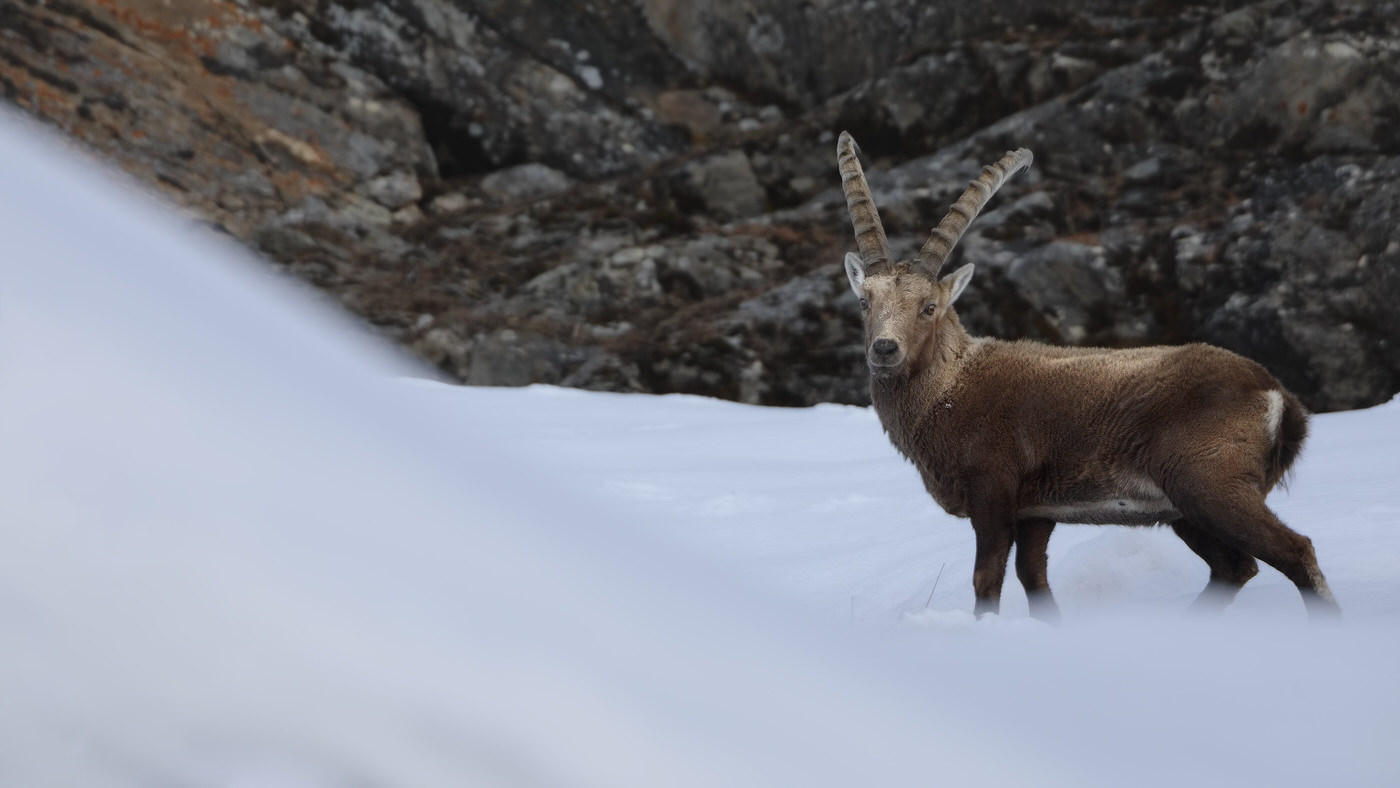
point(1138, 502)
point(1116, 511)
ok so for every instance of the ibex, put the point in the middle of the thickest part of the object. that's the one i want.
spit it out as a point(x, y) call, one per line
point(1019, 436)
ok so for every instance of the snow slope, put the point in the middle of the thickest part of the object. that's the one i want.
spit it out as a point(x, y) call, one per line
point(818, 505)
point(246, 545)
point(236, 553)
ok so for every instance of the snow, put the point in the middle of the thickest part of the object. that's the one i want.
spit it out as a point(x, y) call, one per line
point(816, 504)
point(246, 544)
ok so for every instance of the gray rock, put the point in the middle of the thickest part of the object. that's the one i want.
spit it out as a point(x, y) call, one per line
point(1312, 91)
point(722, 185)
point(605, 371)
point(626, 279)
point(511, 358)
point(525, 182)
point(1067, 283)
point(452, 202)
point(395, 190)
point(1145, 171)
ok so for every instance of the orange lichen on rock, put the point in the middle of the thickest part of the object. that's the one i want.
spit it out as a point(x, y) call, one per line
point(191, 26)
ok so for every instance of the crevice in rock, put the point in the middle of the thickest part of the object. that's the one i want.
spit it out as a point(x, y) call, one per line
point(459, 153)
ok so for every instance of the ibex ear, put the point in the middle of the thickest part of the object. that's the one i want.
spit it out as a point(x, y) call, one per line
point(959, 280)
point(855, 271)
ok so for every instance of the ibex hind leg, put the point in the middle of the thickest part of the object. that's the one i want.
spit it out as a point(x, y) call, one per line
point(1032, 541)
point(1235, 513)
point(1230, 567)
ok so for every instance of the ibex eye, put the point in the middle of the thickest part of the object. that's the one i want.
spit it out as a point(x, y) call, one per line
point(864, 305)
point(931, 308)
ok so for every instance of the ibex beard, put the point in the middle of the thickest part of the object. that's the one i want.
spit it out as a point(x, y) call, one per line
point(1019, 436)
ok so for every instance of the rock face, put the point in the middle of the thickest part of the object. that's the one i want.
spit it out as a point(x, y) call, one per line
point(642, 196)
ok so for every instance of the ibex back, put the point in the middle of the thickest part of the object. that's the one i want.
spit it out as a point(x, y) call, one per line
point(1019, 436)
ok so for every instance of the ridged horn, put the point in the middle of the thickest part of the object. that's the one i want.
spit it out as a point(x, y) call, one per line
point(946, 235)
point(870, 234)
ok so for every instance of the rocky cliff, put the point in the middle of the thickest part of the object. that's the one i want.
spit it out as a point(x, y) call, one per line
point(641, 195)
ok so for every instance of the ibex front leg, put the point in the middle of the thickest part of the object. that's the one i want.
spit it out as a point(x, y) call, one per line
point(1032, 541)
point(994, 523)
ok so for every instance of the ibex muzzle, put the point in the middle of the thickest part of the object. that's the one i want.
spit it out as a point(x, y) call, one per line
point(1020, 436)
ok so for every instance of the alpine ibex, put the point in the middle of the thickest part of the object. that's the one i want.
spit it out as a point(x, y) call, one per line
point(1019, 436)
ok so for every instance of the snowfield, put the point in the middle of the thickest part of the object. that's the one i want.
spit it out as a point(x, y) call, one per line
point(816, 504)
point(245, 544)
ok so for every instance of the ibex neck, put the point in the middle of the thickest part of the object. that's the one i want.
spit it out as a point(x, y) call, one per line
point(948, 345)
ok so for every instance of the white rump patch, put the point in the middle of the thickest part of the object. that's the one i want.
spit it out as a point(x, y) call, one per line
point(1273, 416)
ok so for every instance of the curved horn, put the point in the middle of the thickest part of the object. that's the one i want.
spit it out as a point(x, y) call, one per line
point(870, 234)
point(945, 236)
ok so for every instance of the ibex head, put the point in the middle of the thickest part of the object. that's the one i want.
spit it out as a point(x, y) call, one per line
point(905, 303)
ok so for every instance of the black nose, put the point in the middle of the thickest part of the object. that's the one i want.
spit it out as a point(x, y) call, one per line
point(884, 347)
